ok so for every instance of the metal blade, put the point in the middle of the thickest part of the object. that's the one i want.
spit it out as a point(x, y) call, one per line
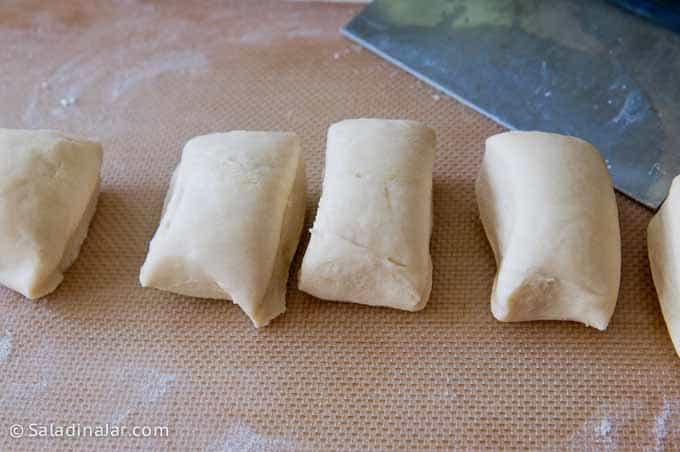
point(587, 69)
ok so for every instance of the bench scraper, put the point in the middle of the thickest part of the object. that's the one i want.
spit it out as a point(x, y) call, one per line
point(582, 68)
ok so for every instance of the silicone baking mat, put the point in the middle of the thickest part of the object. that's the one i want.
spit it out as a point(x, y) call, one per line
point(145, 76)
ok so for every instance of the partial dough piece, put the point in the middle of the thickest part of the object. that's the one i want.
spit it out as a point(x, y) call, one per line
point(49, 185)
point(370, 242)
point(663, 242)
point(549, 211)
point(232, 221)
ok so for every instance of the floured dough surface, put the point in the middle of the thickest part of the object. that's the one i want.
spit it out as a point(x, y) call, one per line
point(49, 184)
point(663, 241)
point(370, 241)
point(231, 221)
point(549, 212)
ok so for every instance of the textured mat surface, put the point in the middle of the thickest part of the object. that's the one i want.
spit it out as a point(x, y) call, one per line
point(143, 77)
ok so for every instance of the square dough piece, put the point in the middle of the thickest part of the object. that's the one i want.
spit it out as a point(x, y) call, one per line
point(231, 221)
point(663, 241)
point(370, 242)
point(49, 185)
point(549, 211)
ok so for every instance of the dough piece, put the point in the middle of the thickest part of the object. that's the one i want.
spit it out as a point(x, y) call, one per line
point(663, 241)
point(231, 221)
point(370, 242)
point(549, 211)
point(49, 184)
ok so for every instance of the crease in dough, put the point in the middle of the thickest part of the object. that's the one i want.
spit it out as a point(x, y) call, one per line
point(231, 221)
point(549, 212)
point(49, 187)
point(393, 273)
point(371, 236)
point(663, 243)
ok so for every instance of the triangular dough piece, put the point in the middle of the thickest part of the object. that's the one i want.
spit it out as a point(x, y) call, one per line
point(231, 221)
point(49, 184)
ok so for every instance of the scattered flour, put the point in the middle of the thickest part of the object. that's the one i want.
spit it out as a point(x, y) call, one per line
point(341, 53)
point(605, 427)
point(241, 438)
point(157, 385)
point(67, 101)
point(597, 433)
point(634, 109)
point(155, 66)
point(40, 364)
point(346, 51)
point(602, 429)
point(152, 387)
point(84, 88)
point(91, 89)
point(78, 78)
point(94, 80)
point(662, 426)
point(5, 346)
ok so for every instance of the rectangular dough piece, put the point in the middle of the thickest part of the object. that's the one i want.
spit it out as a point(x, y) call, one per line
point(49, 185)
point(370, 241)
point(663, 242)
point(231, 221)
point(549, 211)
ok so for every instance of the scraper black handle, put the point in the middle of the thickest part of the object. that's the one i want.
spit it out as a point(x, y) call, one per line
point(663, 12)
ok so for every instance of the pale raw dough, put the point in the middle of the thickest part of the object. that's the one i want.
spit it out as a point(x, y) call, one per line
point(370, 242)
point(663, 241)
point(49, 184)
point(232, 221)
point(549, 212)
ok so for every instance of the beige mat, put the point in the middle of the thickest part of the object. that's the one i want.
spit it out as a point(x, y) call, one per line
point(144, 76)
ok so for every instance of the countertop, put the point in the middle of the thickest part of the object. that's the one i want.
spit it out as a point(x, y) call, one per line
point(144, 77)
